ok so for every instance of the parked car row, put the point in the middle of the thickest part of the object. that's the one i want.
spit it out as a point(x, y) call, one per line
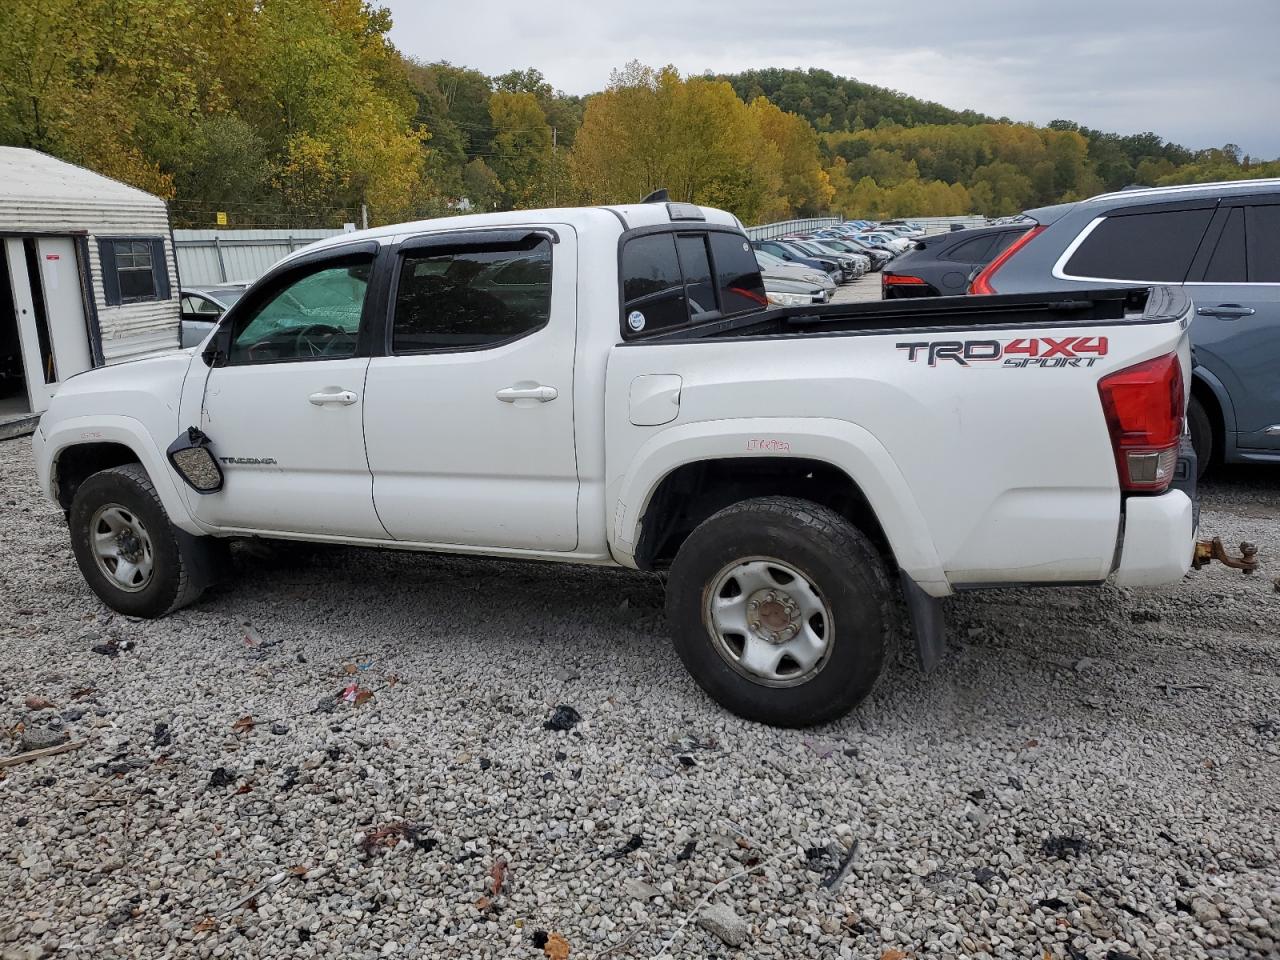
point(1219, 241)
point(828, 257)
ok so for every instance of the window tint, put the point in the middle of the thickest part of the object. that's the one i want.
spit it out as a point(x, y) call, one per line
point(737, 274)
point(1155, 247)
point(314, 317)
point(973, 250)
point(696, 267)
point(1264, 244)
point(471, 299)
point(652, 288)
point(1227, 263)
point(1003, 242)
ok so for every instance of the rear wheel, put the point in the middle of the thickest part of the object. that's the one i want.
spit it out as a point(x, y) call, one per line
point(1201, 435)
point(132, 557)
point(780, 609)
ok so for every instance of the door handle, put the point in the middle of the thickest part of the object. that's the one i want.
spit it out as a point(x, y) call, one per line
point(1228, 311)
point(527, 391)
point(344, 397)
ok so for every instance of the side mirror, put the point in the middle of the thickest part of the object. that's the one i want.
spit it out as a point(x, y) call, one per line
point(194, 461)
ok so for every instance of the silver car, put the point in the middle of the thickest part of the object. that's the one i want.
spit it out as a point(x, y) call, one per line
point(203, 307)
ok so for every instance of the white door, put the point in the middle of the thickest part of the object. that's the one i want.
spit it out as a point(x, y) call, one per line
point(284, 413)
point(64, 304)
point(469, 420)
point(50, 310)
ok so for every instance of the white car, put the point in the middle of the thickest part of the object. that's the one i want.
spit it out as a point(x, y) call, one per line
point(608, 385)
point(771, 266)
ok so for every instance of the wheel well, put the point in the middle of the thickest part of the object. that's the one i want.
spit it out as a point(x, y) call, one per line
point(693, 492)
point(1200, 390)
point(77, 464)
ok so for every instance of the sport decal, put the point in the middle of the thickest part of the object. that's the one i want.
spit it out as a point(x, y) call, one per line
point(1019, 353)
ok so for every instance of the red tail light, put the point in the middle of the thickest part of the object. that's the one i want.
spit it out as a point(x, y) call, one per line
point(982, 282)
point(888, 280)
point(1144, 405)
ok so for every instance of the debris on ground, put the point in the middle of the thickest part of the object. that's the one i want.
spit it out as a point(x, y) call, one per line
point(41, 738)
point(161, 736)
point(638, 889)
point(983, 875)
point(631, 846)
point(833, 880)
point(35, 754)
point(721, 921)
point(243, 725)
point(556, 947)
point(687, 852)
point(1063, 847)
point(389, 836)
point(38, 703)
point(564, 717)
point(220, 778)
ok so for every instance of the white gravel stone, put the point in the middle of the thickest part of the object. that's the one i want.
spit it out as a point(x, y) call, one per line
point(1128, 806)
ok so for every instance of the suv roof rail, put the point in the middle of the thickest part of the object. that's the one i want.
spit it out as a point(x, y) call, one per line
point(1185, 188)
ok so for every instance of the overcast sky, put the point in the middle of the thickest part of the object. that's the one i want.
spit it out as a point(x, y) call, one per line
point(1199, 73)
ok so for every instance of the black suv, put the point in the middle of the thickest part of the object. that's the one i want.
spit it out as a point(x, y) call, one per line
point(941, 266)
point(1219, 240)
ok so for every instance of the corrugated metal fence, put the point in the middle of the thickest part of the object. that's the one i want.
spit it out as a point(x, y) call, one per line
point(767, 231)
point(236, 256)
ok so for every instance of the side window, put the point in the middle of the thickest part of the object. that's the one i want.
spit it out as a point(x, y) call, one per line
point(315, 316)
point(695, 264)
point(197, 306)
point(1003, 241)
point(1145, 247)
point(1264, 244)
point(652, 286)
point(737, 274)
point(470, 299)
point(133, 270)
point(1227, 263)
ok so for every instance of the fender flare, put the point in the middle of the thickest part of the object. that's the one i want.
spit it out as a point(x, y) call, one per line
point(127, 432)
point(844, 445)
point(1219, 391)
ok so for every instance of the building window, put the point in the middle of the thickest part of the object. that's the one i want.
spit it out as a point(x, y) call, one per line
point(133, 270)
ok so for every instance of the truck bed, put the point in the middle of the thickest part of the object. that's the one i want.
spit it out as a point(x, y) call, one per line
point(1083, 308)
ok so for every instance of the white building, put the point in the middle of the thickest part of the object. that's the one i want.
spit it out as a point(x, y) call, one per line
point(87, 277)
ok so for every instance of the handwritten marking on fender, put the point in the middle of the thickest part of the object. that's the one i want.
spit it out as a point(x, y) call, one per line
point(764, 445)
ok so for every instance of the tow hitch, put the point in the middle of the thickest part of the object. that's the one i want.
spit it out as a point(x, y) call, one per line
point(1209, 550)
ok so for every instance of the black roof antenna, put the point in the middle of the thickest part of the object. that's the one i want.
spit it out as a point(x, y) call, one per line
point(658, 196)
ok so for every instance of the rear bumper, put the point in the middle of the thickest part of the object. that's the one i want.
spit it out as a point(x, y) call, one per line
point(1159, 540)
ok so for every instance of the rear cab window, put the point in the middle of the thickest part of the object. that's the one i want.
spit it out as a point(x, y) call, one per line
point(677, 278)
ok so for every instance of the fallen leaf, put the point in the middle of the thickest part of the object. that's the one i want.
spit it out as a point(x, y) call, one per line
point(243, 725)
point(205, 925)
point(391, 679)
point(557, 947)
point(38, 703)
point(1031, 743)
point(299, 870)
point(349, 669)
point(894, 955)
point(743, 842)
point(84, 693)
point(363, 696)
point(244, 788)
point(498, 873)
point(484, 903)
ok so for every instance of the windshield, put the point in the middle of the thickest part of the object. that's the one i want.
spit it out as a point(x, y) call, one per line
point(766, 259)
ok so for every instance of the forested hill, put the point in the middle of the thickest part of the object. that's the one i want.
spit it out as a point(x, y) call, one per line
point(831, 103)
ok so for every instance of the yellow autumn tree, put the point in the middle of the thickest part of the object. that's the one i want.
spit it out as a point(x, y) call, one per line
point(806, 189)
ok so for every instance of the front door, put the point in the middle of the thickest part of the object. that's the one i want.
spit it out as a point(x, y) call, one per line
point(469, 418)
point(284, 413)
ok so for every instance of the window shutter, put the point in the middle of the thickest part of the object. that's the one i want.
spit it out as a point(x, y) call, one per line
point(160, 268)
point(110, 278)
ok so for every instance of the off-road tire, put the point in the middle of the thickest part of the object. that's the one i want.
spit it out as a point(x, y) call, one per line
point(836, 557)
point(1201, 435)
point(182, 566)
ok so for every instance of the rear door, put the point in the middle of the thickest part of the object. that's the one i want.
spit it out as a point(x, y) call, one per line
point(1236, 287)
point(469, 416)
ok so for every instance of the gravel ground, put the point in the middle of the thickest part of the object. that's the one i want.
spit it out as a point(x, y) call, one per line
point(1092, 773)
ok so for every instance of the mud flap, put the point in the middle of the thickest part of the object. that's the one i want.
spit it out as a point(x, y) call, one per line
point(927, 623)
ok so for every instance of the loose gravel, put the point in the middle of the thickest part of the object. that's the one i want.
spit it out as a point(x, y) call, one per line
point(349, 753)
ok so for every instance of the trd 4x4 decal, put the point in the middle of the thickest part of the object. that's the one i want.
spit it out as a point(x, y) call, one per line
point(1022, 352)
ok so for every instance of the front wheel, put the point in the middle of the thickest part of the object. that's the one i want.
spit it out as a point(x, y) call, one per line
point(780, 610)
point(132, 557)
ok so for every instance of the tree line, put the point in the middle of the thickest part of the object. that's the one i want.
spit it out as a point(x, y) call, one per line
point(298, 112)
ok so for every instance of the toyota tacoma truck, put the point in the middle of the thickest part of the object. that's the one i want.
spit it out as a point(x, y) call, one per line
point(610, 385)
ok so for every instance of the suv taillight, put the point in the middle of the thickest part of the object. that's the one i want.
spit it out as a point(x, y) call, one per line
point(981, 284)
point(1144, 405)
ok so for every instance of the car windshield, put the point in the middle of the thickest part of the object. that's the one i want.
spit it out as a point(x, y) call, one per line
point(767, 259)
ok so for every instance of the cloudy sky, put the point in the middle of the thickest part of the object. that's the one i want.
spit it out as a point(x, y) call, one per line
point(1199, 73)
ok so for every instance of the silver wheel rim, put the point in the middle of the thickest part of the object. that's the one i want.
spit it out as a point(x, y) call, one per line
point(121, 547)
point(769, 621)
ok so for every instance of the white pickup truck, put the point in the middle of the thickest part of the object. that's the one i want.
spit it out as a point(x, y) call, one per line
point(608, 385)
